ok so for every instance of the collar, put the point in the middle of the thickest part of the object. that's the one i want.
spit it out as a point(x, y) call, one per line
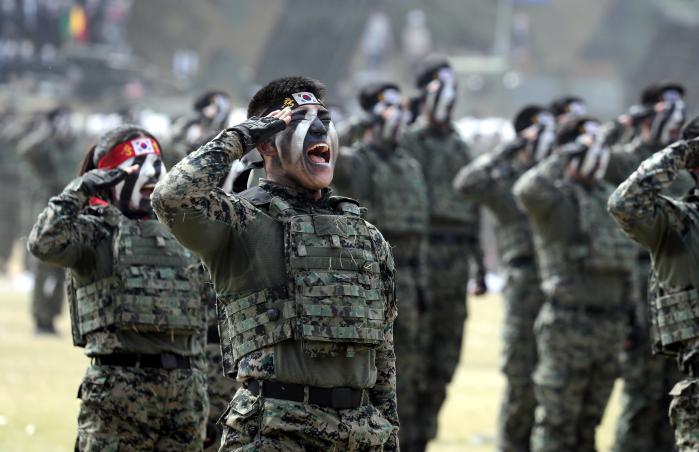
point(295, 195)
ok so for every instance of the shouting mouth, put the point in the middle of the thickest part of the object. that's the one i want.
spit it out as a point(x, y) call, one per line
point(318, 154)
point(147, 190)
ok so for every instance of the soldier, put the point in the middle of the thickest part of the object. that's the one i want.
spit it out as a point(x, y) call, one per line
point(488, 180)
point(209, 117)
point(385, 179)
point(52, 152)
point(667, 227)
point(134, 307)
point(584, 263)
point(454, 227)
point(567, 107)
point(10, 188)
point(305, 286)
point(642, 424)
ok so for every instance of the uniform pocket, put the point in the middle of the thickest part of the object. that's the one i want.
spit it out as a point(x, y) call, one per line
point(241, 422)
point(368, 427)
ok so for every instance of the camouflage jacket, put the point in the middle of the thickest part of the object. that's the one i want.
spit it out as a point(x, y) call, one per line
point(488, 180)
point(667, 227)
point(72, 234)
point(554, 204)
point(212, 224)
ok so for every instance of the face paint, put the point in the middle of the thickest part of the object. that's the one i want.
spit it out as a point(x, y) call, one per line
point(133, 194)
point(441, 96)
point(577, 108)
point(546, 136)
point(307, 148)
point(667, 123)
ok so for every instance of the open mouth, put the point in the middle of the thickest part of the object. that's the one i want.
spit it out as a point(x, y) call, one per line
point(147, 190)
point(319, 154)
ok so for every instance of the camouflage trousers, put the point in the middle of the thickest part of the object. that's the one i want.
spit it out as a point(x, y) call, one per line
point(129, 408)
point(578, 363)
point(446, 317)
point(523, 300)
point(256, 423)
point(220, 390)
point(684, 414)
point(409, 356)
point(48, 293)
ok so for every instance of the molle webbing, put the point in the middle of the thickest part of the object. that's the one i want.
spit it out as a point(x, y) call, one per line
point(151, 289)
point(677, 317)
point(333, 297)
point(514, 240)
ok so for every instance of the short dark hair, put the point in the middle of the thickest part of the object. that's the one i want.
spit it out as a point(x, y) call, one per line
point(207, 98)
point(653, 93)
point(369, 94)
point(525, 117)
point(559, 106)
point(571, 129)
point(429, 69)
point(271, 96)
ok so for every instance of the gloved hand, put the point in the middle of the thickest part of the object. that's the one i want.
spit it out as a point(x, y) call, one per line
point(255, 130)
point(480, 287)
point(97, 180)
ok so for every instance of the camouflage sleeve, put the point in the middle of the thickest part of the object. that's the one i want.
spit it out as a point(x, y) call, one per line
point(474, 180)
point(383, 394)
point(63, 237)
point(537, 190)
point(189, 202)
point(637, 203)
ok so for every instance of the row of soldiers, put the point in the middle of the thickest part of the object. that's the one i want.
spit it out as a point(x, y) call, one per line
point(307, 290)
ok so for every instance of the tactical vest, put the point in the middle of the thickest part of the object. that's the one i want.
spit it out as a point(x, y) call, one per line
point(674, 319)
point(514, 240)
point(443, 158)
point(600, 245)
point(333, 298)
point(151, 288)
point(397, 194)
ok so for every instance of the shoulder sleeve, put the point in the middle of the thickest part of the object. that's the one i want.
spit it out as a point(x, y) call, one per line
point(537, 190)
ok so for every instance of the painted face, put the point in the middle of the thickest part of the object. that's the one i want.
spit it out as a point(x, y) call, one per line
point(441, 96)
point(133, 194)
point(592, 164)
point(307, 148)
point(669, 118)
point(390, 118)
point(541, 136)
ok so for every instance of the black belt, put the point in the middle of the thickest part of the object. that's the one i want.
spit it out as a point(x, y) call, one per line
point(337, 398)
point(522, 261)
point(158, 361)
point(212, 336)
point(587, 309)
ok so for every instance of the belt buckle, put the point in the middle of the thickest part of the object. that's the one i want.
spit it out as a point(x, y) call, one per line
point(341, 398)
point(168, 361)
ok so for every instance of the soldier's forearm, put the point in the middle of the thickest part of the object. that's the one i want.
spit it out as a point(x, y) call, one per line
point(638, 196)
point(473, 180)
point(536, 189)
point(383, 394)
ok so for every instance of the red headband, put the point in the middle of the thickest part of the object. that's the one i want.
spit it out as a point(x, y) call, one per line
point(128, 149)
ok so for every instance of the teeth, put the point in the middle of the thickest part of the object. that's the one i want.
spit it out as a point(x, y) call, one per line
point(323, 148)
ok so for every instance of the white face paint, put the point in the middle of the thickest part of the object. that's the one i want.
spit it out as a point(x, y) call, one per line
point(307, 148)
point(670, 121)
point(546, 136)
point(441, 95)
point(133, 193)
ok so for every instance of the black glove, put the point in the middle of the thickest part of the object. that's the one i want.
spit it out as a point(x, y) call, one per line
point(480, 287)
point(98, 180)
point(254, 130)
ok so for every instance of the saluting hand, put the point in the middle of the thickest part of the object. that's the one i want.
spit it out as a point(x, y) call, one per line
point(255, 130)
point(97, 180)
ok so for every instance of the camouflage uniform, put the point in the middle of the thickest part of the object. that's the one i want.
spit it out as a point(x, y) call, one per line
point(642, 424)
point(584, 263)
point(263, 246)
point(488, 180)
point(667, 227)
point(189, 134)
point(390, 184)
point(54, 161)
point(454, 227)
point(141, 393)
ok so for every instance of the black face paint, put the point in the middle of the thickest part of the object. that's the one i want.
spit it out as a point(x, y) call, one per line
point(144, 207)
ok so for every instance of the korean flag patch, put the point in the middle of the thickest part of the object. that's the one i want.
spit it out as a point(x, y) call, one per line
point(143, 146)
point(305, 98)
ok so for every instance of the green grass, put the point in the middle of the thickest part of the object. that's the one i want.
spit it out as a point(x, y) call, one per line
point(39, 379)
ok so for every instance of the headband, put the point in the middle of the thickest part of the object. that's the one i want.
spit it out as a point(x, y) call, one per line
point(296, 100)
point(126, 150)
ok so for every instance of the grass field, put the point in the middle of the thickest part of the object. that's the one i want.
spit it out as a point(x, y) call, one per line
point(39, 379)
